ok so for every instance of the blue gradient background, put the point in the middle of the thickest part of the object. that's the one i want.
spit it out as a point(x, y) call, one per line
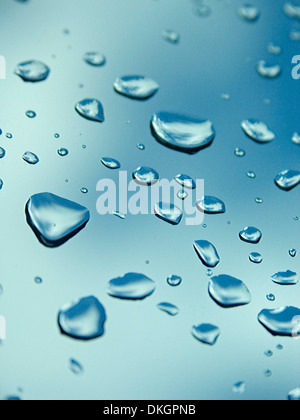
point(145, 354)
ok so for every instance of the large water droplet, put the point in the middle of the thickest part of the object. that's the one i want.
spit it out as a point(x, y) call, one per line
point(228, 291)
point(285, 278)
point(249, 13)
point(94, 59)
point(257, 131)
point(32, 71)
point(169, 308)
point(185, 181)
point(181, 132)
point(287, 180)
point(132, 286)
point(207, 253)
point(282, 321)
point(110, 163)
point(206, 333)
point(90, 109)
point(251, 235)
point(30, 158)
point(55, 220)
point(211, 205)
point(168, 212)
point(82, 319)
point(136, 87)
point(268, 71)
point(145, 176)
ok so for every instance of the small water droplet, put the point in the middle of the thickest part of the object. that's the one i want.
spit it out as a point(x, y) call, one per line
point(168, 212)
point(32, 71)
point(268, 353)
point(82, 319)
point(30, 158)
point(271, 297)
point(268, 71)
point(56, 135)
point(136, 87)
point(38, 280)
point(182, 195)
point(91, 109)
point(84, 190)
point(9, 136)
point(296, 139)
point(206, 333)
point(279, 347)
point(211, 205)
point(140, 146)
point(181, 132)
point(294, 395)
point(259, 200)
point(239, 152)
point(30, 114)
point(268, 373)
point(248, 13)
point(293, 252)
point(256, 258)
point(110, 163)
point(120, 215)
point(1, 184)
point(145, 176)
point(291, 10)
point(171, 36)
point(251, 235)
point(273, 49)
point(75, 367)
point(257, 131)
point(53, 219)
point(239, 388)
point(168, 308)
point(207, 253)
point(132, 286)
point(63, 152)
point(287, 180)
point(285, 278)
point(94, 59)
point(174, 280)
point(228, 291)
point(185, 181)
point(2, 152)
point(251, 174)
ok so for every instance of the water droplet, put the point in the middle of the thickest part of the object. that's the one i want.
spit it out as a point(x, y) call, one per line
point(75, 367)
point(110, 163)
point(182, 195)
point(13, 398)
point(30, 158)
point(251, 174)
point(1, 184)
point(63, 152)
point(32, 71)
point(201, 9)
point(206, 333)
point(273, 49)
point(2, 152)
point(285, 278)
point(287, 180)
point(30, 114)
point(280, 321)
point(119, 215)
point(140, 146)
point(239, 152)
point(225, 96)
point(1, 289)
point(185, 181)
point(293, 252)
point(84, 190)
point(228, 291)
point(132, 286)
point(211, 205)
point(268, 353)
point(296, 139)
point(168, 308)
point(209, 272)
point(291, 10)
point(136, 87)
point(267, 71)
point(294, 35)
point(9, 136)
point(55, 220)
point(174, 280)
point(294, 395)
point(168, 212)
point(82, 319)
point(56, 135)
point(249, 13)
point(257, 131)
point(91, 109)
point(256, 258)
point(268, 373)
point(239, 388)
point(251, 235)
point(94, 59)
point(145, 176)
point(279, 347)
point(259, 200)
point(38, 280)
point(271, 297)
point(207, 253)
point(181, 132)
point(171, 36)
